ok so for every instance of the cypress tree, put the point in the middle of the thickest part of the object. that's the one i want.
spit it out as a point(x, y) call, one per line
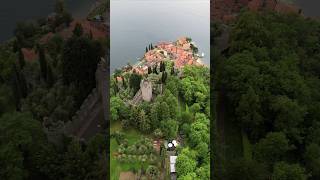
point(151, 46)
point(22, 62)
point(164, 77)
point(155, 69)
point(146, 49)
point(149, 70)
point(161, 66)
point(116, 89)
point(78, 30)
point(16, 94)
point(172, 70)
point(19, 87)
point(124, 83)
point(50, 78)
point(16, 88)
point(43, 62)
point(90, 35)
point(23, 85)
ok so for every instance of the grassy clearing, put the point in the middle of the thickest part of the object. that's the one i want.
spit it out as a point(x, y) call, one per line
point(115, 166)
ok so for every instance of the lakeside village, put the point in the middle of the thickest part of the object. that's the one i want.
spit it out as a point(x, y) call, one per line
point(146, 84)
point(181, 53)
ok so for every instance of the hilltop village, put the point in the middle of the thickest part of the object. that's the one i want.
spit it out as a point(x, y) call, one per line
point(181, 52)
point(157, 108)
point(61, 24)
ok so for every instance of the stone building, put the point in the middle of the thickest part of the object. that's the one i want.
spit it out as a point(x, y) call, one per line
point(146, 90)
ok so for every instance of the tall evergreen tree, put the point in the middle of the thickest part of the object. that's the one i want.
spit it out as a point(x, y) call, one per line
point(23, 85)
point(172, 70)
point(78, 30)
point(124, 83)
point(164, 77)
point(79, 63)
point(43, 62)
point(50, 78)
point(90, 35)
point(16, 88)
point(155, 69)
point(22, 62)
point(149, 70)
point(161, 67)
point(19, 86)
point(146, 49)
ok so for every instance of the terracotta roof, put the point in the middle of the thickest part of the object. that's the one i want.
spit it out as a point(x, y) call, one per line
point(255, 5)
point(119, 79)
point(46, 38)
point(138, 70)
point(98, 30)
point(286, 8)
point(29, 54)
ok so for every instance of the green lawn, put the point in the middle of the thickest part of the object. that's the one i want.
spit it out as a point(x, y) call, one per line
point(115, 166)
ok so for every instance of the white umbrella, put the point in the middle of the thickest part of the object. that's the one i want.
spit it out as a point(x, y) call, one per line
point(174, 142)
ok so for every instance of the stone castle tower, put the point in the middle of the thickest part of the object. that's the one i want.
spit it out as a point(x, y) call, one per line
point(146, 90)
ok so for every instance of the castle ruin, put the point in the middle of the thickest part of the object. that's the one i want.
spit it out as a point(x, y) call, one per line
point(92, 116)
point(146, 90)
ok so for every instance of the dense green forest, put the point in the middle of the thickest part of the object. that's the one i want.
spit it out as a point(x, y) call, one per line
point(268, 79)
point(46, 92)
point(179, 110)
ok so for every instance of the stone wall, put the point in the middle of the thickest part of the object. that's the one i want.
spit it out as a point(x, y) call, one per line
point(92, 115)
point(84, 115)
point(146, 90)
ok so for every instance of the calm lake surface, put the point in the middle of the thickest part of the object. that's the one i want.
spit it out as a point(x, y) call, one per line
point(137, 23)
point(309, 7)
point(13, 11)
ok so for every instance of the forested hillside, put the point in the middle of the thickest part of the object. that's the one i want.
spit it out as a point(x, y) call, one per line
point(43, 81)
point(269, 77)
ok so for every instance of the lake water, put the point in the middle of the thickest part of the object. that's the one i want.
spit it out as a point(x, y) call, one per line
point(13, 11)
point(309, 7)
point(137, 23)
